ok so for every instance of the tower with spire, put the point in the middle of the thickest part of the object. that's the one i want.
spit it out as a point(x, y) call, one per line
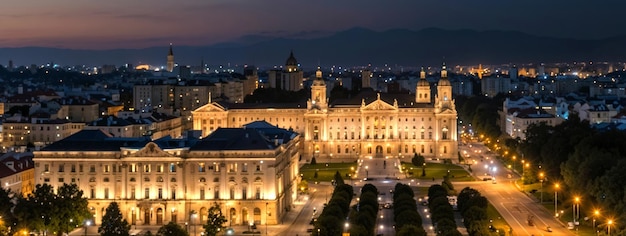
point(170, 60)
point(444, 99)
point(290, 78)
point(422, 92)
point(318, 93)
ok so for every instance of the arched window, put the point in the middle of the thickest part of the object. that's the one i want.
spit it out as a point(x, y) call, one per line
point(133, 179)
point(159, 179)
point(146, 179)
point(202, 180)
point(92, 179)
point(174, 180)
point(106, 180)
point(216, 179)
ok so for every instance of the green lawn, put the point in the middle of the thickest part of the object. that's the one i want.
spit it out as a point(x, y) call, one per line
point(326, 171)
point(437, 171)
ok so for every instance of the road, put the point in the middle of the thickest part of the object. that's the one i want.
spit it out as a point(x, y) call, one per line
point(514, 206)
point(319, 194)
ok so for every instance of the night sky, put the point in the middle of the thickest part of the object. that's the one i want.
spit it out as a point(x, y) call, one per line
point(97, 24)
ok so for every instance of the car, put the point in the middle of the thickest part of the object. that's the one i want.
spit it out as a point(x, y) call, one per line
point(548, 229)
point(486, 178)
point(387, 205)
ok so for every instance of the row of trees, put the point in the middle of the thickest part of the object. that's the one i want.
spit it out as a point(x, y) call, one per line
point(330, 221)
point(43, 210)
point(363, 216)
point(408, 220)
point(473, 208)
point(441, 212)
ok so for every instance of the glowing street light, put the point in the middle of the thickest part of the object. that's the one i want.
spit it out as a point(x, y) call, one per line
point(556, 199)
point(575, 208)
point(541, 180)
point(596, 213)
point(609, 223)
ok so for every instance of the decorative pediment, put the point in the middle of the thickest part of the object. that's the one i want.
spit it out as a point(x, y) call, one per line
point(210, 107)
point(379, 105)
point(150, 150)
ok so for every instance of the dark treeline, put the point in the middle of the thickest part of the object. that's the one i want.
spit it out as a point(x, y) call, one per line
point(473, 208)
point(408, 220)
point(441, 212)
point(333, 216)
point(363, 216)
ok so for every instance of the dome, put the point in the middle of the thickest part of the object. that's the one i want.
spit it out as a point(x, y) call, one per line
point(423, 82)
point(444, 82)
point(291, 61)
point(319, 82)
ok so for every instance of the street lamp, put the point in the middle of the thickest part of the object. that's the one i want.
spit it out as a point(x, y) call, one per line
point(596, 213)
point(514, 163)
point(367, 174)
point(346, 226)
point(574, 209)
point(556, 199)
point(87, 224)
point(609, 223)
point(266, 215)
point(541, 180)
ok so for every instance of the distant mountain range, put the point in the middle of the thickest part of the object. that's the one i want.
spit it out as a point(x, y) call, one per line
point(356, 46)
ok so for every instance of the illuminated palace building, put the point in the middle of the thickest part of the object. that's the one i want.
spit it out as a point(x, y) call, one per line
point(366, 125)
point(251, 172)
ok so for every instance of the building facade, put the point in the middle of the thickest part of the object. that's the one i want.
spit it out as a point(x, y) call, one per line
point(368, 125)
point(251, 175)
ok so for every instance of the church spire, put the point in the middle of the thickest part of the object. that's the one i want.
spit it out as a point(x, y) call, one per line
point(444, 72)
point(170, 59)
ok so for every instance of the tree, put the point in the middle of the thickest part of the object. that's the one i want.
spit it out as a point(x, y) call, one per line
point(215, 222)
point(172, 229)
point(411, 230)
point(464, 196)
point(36, 212)
point(418, 160)
point(6, 204)
point(447, 185)
point(71, 206)
point(113, 223)
point(338, 179)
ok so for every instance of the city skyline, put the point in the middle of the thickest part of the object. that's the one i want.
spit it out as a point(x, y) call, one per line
point(140, 24)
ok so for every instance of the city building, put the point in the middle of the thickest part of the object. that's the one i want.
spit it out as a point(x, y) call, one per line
point(517, 115)
point(251, 172)
point(290, 78)
point(369, 124)
point(17, 172)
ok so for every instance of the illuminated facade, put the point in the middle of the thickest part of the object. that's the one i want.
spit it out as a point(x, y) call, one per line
point(367, 125)
point(251, 172)
point(17, 172)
